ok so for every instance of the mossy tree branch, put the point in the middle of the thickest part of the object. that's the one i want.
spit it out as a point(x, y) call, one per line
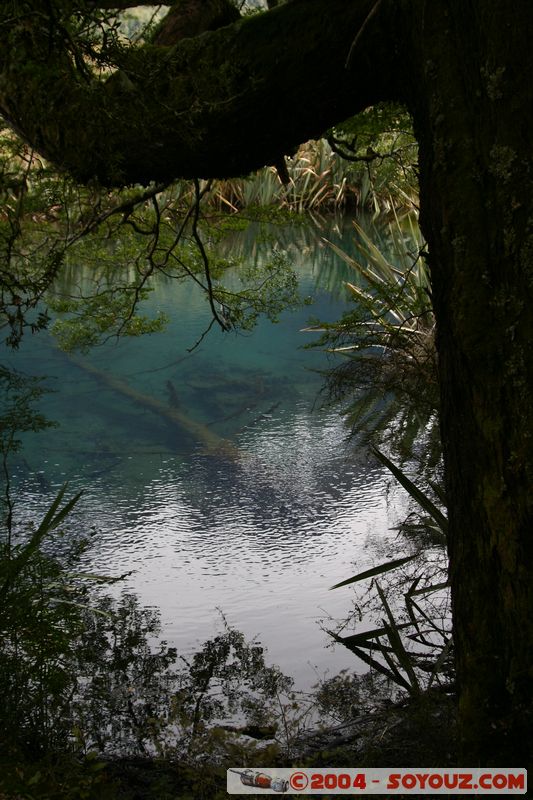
point(220, 104)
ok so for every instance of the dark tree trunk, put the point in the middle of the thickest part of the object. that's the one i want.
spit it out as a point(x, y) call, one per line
point(474, 115)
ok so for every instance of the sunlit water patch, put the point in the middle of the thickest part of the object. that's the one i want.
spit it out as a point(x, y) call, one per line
point(253, 504)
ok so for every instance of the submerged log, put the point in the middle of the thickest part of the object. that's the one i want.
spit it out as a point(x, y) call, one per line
point(212, 443)
point(173, 399)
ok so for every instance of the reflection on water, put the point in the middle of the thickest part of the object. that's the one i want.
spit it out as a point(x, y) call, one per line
point(215, 475)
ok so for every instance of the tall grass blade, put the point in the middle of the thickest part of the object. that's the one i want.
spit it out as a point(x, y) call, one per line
point(364, 639)
point(372, 662)
point(439, 491)
point(424, 616)
point(422, 499)
point(396, 643)
point(400, 679)
point(434, 587)
point(440, 661)
point(371, 573)
point(51, 520)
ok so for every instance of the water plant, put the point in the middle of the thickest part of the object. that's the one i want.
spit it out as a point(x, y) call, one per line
point(388, 382)
point(369, 163)
point(412, 647)
point(385, 375)
point(380, 147)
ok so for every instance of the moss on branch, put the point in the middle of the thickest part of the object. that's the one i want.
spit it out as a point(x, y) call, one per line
point(216, 105)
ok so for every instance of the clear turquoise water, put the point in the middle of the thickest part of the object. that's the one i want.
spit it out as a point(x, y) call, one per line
point(259, 534)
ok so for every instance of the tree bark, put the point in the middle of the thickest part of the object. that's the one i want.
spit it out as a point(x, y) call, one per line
point(472, 103)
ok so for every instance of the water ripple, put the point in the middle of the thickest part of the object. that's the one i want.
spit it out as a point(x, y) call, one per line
point(261, 532)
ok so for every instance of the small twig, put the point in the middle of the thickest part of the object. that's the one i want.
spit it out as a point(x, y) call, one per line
point(148, 272)
point(202, 337)
point(196, 215)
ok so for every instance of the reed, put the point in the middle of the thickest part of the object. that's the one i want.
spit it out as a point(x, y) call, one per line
point(385, 371)
point(320, 179)
point(412, 646)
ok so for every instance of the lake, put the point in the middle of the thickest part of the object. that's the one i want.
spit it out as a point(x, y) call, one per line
point(257, 528)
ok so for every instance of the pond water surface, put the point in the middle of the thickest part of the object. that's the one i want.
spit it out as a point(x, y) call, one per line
point(257, 528)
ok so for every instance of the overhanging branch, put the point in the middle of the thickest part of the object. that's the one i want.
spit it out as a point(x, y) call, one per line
point(216, 105)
